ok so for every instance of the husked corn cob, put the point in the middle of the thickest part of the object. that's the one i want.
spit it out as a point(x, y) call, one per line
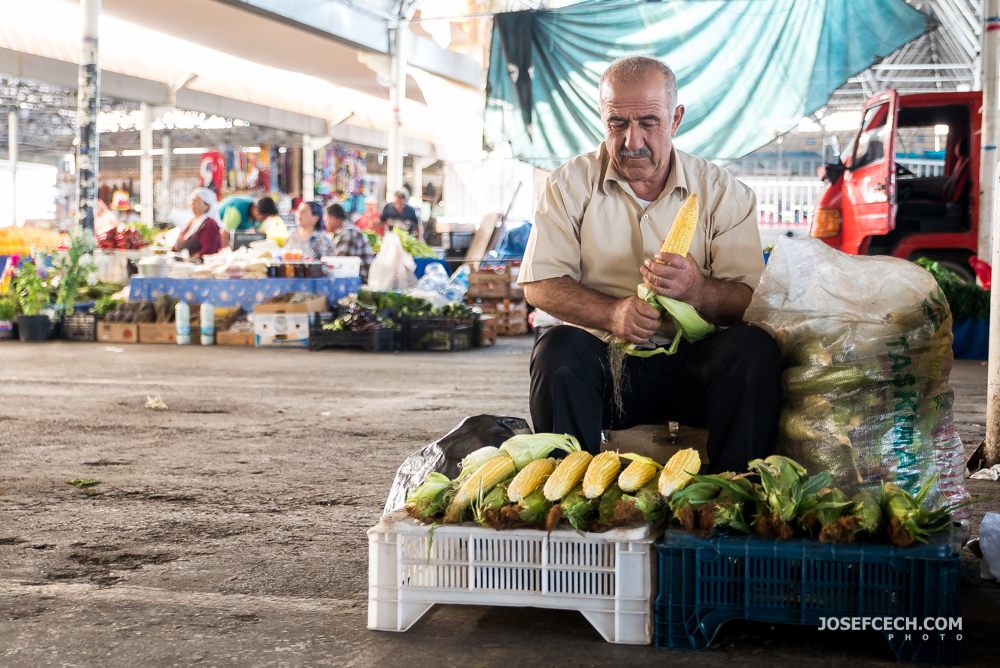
point(485, 478)
point(639, 472)
point(677, 471)
point(567, 475)
point(530, 478)
point(601, 472)
point(681, 233)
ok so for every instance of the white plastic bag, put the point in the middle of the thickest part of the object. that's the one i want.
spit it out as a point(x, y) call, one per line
point(393, 269)
point(866, 348)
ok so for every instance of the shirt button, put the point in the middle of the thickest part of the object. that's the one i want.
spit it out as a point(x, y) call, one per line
point(646, 217)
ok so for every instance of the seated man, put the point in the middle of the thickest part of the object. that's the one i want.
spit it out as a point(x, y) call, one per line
point(598, 230)
point(348, 240)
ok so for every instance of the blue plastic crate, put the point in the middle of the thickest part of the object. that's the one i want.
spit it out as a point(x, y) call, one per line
point(705, 582)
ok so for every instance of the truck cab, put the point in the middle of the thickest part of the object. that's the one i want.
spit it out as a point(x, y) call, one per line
point(908, 183)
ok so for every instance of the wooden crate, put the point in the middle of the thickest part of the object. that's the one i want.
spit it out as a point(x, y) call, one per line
point(495, 284)
point(516, 308)
point(117, 332)
point(512, 326)
point(234, 338)
point(487, 330)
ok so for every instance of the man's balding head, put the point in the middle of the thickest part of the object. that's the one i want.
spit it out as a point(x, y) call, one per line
point(635, 68)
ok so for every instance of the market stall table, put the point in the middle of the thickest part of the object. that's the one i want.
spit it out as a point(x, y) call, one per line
point(241, 292)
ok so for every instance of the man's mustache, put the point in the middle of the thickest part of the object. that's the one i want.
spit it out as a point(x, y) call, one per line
point(638, 153)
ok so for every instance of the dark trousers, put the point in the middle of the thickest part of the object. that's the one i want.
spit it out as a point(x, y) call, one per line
point(729, 383)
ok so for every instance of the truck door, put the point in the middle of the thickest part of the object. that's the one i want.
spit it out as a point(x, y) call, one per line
point(870, 176)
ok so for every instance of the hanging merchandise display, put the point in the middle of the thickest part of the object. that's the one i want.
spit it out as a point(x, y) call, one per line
point(271, 169)
point(211, 170)
point(342, 173)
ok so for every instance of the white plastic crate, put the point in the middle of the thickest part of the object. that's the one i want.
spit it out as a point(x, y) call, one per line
point(608, 577)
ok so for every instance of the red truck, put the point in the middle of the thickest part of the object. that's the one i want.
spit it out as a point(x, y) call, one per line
point(877, 205)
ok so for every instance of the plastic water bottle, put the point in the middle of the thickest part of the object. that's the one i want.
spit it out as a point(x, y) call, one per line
point(182, 315)
point(207, 324)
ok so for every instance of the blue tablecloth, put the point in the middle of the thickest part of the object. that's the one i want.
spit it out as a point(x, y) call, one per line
point(238, 292)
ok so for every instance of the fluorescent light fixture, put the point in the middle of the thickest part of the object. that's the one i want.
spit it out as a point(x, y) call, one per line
point(189, 151)
point(251, 149)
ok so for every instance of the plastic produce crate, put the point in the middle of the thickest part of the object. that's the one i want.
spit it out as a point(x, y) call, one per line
point(375, 340)
point(705, 582)
point(606, 576)
point(441, 334)
point(80, 327)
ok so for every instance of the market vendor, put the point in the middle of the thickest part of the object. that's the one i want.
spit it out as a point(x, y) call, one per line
point(398, 213)
point(308, 236)
point(201, 235)
point(598, 229)
point(348, 240)
point(370, 219)
point(239, 213)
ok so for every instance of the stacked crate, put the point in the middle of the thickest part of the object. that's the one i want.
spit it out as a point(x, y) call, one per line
point(496, 293)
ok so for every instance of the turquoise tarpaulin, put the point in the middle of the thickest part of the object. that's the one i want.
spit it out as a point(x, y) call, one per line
point(747, 70)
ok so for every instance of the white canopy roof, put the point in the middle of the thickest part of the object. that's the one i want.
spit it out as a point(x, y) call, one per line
point(142, 64)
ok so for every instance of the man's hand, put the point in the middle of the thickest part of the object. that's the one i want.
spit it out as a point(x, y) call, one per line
point(674, 276)
point(634, 320)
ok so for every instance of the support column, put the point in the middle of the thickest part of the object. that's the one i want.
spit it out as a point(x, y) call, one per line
point(88, 97)
point(12, 157)
point(988, 148)
point(397, 95)
point(308, 168)
point(988, 222)
point(146, 165)
point(168, 155)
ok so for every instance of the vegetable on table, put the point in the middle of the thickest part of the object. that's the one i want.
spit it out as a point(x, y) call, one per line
point(567, 475)
point(601, 473)
point(677, 471)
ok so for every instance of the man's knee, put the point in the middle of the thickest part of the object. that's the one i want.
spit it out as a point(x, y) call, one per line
point(564, 349)
point(753, 351)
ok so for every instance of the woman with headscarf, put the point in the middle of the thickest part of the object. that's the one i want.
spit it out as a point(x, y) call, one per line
point(308, 236)
point(201, 235)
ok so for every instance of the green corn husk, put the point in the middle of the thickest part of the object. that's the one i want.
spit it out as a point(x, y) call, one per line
point(908, 522)
point(646, 505)
point(606, 505)
point(689, 323)
point(487, 510)
point(525, 448)
point(804, 380)
point(684, 503)
point(783, 486)
point(429, 500)
point(533, 509)
point(474, 460)
point(868, 513)
point(575, 508)
point(727, 510)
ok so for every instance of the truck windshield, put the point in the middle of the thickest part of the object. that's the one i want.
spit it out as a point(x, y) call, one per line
point(870, 146)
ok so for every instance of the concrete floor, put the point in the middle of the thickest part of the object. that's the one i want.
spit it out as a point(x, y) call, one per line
point(229, 529)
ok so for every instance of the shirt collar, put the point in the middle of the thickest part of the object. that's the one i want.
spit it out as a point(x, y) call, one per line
point(675, 180)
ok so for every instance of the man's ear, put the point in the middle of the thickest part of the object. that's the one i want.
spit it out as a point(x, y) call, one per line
point(678, 115)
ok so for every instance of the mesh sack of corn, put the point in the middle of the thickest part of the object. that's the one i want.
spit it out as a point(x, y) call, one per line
point(866, 347)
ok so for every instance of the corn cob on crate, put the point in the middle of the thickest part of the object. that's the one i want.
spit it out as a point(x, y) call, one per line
point(608, 577)
point(705, 582)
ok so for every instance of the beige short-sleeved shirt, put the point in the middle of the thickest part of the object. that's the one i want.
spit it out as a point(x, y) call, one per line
point(591, 227)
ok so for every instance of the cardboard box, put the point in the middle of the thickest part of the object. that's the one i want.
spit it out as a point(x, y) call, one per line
point(311, 306)
point(281, 330)
point(234, 338)
point(117, 332)
point(166, 332)
point(153, 332)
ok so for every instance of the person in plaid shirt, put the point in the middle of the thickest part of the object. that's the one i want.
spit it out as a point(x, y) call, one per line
point(348, 240)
